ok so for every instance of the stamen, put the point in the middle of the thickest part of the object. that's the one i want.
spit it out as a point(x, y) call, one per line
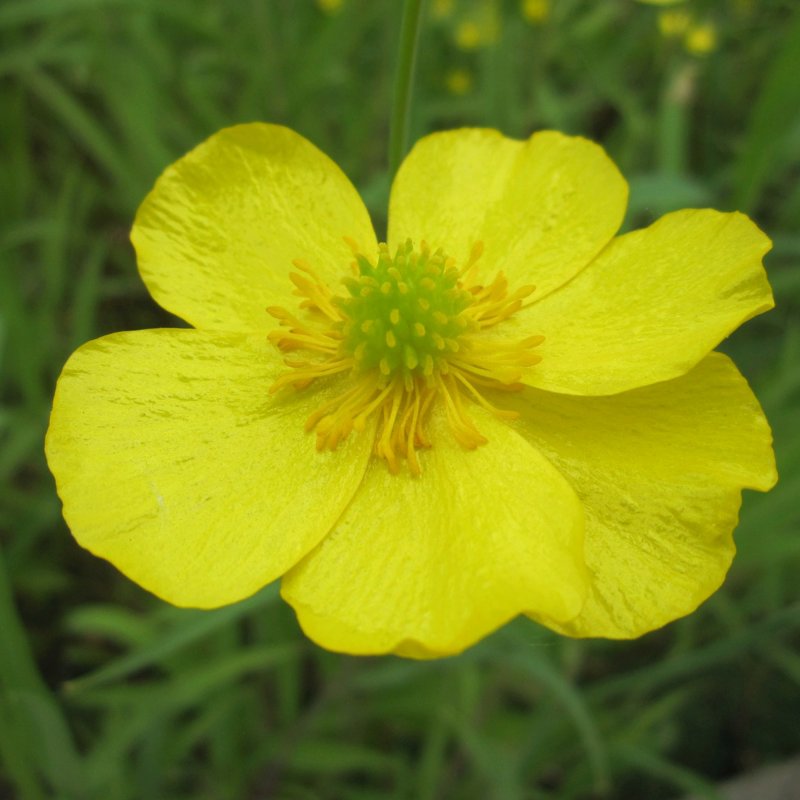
point(408, 332)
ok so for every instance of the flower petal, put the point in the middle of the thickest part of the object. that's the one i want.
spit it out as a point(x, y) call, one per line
point(651, 305)
point(174, 463)
point(217, 235)
point(659, 471)
point(543, 208)
point(427, 566)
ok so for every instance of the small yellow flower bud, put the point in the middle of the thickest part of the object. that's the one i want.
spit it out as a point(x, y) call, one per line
point(330, 6)
point(535, 11)
point(441, 9)
point(701, 39)
point(673, 23)
point(459, 81)
point(468, 35)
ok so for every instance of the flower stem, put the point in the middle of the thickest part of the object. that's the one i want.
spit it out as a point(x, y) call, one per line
point(403, 83)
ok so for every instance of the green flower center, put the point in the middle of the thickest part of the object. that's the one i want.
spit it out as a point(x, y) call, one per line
point(410, 332)
point(404, 314)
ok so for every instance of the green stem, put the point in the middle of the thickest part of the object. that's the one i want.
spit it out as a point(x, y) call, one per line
point(403, 83)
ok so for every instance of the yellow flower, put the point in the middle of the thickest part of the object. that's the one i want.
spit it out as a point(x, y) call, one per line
point(701, 39)
point(330, 6)
point(535, 11)
point(673, 23)
point(479, 28)
point(459, 81)
point(505, 411)
point(469, 35)
point(441, 9)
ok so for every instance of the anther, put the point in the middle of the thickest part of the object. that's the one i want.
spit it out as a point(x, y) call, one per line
point(405, 351)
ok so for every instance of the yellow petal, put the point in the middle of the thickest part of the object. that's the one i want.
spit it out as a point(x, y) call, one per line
point(216, 237)
point(659, 471)
point(651, 305)
point(174, 463)
point(427, 566)
point(543, 208)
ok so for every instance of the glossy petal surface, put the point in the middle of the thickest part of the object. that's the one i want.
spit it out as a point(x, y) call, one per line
point(174, 463)
point(659, 471)
point(427, 566)
point(651, 305)
point(216, 237)
point(543, 208)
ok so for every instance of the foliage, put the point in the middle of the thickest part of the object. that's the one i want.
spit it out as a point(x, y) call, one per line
point(105, 692)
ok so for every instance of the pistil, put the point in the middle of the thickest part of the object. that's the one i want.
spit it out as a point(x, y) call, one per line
point(410, 332)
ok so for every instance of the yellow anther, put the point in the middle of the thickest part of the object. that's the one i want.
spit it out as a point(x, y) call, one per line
point(351, 243)
point(405, 352)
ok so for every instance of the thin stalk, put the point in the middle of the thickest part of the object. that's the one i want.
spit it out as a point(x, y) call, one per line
point(404, 82)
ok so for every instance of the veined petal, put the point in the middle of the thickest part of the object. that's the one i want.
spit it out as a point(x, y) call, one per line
point(659, 471)
point(651, 305)
point(216, 237)
point(427, 566)
point(174, 463)
point(543, 208)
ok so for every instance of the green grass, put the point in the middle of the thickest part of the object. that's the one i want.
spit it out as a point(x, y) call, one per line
point(107, 694)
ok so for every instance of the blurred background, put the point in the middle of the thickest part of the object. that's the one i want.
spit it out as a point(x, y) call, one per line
point(107, 693)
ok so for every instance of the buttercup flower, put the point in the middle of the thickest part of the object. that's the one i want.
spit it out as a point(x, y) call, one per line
point(503, 410)
point(535, 11)
point(701, 39)
point(674, 23)
point(459, 81)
